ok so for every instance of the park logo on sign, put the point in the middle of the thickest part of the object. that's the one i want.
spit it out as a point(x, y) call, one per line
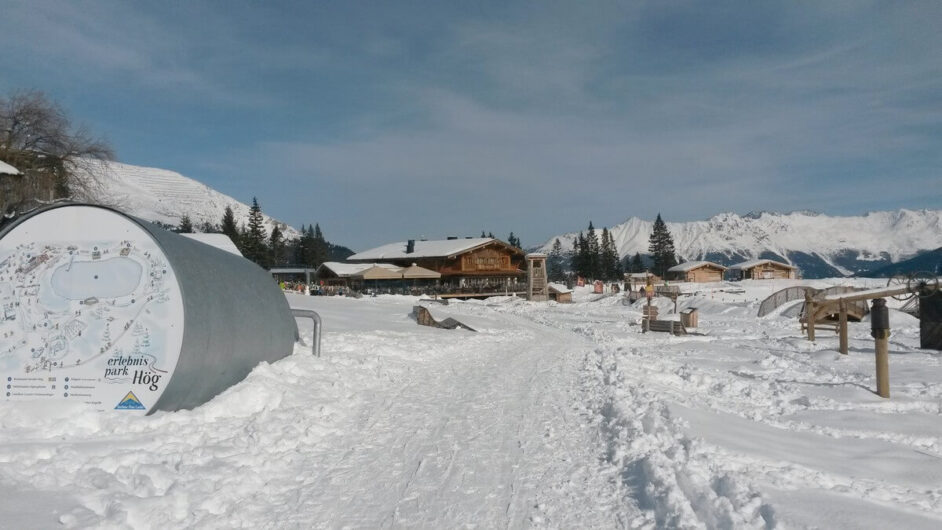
point(130, 402)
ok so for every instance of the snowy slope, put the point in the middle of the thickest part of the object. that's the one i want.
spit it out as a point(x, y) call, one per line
point(821, 245)
point(164, 196)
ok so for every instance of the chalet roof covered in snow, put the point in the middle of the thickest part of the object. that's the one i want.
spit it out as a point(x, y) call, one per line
point(756, 262)
point(379, 272)
point(346, 270)
point(640, 275)
point(414, 272)
point(7, 169)
point(691, 265)
point(558, 288)
point(424, 249)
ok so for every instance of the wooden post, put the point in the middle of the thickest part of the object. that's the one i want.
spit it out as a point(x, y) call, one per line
point(843, 331)
point(809, 315)
point(883, 366)
point(880, 331)
point(647, 319)
point(649, 293)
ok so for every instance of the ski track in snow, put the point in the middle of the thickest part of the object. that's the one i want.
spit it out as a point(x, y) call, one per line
point(551, 416)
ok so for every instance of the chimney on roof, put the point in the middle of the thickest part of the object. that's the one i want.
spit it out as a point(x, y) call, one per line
point(452, 237)
point(410, 246)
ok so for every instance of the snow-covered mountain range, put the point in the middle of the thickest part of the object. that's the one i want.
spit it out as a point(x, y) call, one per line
point(164, 196)
point(821, 245)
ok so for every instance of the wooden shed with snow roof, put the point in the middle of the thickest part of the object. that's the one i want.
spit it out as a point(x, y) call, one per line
point(762, 269)
point(560, 293)
point(696, 271)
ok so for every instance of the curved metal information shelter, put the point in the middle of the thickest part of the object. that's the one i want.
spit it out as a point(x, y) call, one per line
point(103, 308)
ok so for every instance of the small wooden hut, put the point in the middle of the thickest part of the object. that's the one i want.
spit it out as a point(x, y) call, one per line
point(762, 269)
point(559, 293)
point(696, 271)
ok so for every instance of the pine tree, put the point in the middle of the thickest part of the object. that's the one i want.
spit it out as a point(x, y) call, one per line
point(209, 228)
point(276, 247)
point(483, 235)
point(256, 248)
point(618, 272)
point(307, 247)
point(321, 247)
point(661, 246)
point(593, 254)
point(637, 265)
point(582, 259)
point(554, 263)
point(605, 266)
point(513, 240)
point(575, 255)
point(186, 226)
point(229, 225)
point(609, 262)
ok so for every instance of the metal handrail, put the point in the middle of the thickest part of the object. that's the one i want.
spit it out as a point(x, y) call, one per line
point(318, 324)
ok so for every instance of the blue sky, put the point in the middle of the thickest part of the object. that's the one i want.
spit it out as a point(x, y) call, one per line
point(384, 121)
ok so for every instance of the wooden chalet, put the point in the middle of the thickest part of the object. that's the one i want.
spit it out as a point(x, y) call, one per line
point(471, 265)
point(762, 269)
point(696, 271)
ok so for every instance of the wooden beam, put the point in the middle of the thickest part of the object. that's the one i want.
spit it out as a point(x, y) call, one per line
point(870, 294)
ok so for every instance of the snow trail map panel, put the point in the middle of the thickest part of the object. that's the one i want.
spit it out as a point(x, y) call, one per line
point(90, 311)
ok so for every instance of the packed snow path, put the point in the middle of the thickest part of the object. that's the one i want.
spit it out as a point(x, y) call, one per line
point(485, 433)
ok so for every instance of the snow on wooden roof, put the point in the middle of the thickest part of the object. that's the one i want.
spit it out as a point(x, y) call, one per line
point(220, 241)
point(378, 272)
point(756, 262)
point(423, 249)
point(558, 288)
point(691, 265)
point(344, 270)
point(414, 272)
point(7, 169)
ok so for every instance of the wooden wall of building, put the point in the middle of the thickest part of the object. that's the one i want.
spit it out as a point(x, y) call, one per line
point(705, 274)
point(770, 271)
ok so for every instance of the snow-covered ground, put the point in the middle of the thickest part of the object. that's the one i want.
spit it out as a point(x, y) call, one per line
point(555, 416)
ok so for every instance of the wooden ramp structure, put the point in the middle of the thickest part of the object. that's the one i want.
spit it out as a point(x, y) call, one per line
point(831, 315)
point(791, 294)
point(846, 303)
